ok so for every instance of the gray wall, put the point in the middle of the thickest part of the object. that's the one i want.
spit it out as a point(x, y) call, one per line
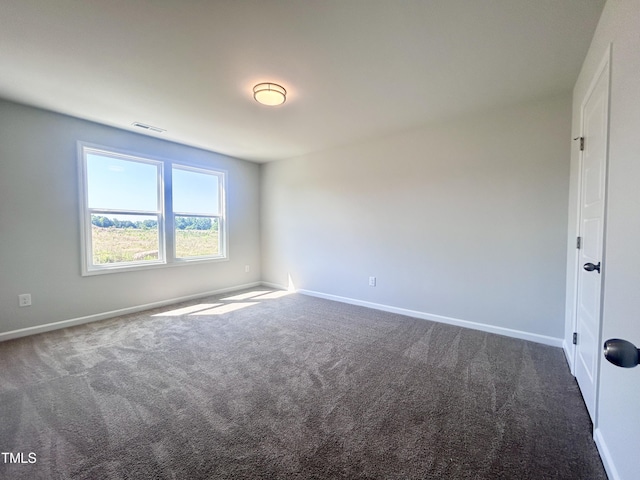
point(39, 225)
point(466, 219)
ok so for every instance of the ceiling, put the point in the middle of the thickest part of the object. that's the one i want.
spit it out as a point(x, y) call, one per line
point(353, 69)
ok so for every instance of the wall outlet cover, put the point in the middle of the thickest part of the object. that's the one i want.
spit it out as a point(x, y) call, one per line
point(24, 300)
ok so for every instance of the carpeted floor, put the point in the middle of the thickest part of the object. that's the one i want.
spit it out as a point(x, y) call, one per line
point(274, 386)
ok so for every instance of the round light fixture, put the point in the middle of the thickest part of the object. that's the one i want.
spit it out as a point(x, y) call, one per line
point(270, 94)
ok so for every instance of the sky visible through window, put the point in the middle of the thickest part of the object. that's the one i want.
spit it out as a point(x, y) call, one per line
point(118, 184)
point(195, 192)
point(121, 184)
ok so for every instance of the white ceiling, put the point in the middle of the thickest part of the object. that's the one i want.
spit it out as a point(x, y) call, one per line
point(353, 69)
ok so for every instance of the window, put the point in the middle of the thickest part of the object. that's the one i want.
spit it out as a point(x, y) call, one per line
point(135, 208)
point(197, 212)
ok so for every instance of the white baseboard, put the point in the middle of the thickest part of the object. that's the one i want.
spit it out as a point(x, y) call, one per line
point(23, 332)
point(509, 332)
point(605, 455)
point(273, 285)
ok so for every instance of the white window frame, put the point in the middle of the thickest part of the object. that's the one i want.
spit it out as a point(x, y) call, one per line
point(222, 239)
point(166, 228)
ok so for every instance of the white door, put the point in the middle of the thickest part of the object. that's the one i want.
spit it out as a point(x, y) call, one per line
point(617, 428)
point(595, 119)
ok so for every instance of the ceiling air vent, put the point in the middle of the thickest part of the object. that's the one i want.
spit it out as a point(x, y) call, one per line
point(148, 127)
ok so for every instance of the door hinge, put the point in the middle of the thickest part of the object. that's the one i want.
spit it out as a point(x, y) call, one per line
point(579, 243)
point(581, 142)
point(575, 338)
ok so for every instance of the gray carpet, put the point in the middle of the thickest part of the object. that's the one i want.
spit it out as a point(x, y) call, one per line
point(293, 387)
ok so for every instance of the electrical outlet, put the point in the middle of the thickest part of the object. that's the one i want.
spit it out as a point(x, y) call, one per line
point(372, 281)
point(24, 300)
point(246, 269)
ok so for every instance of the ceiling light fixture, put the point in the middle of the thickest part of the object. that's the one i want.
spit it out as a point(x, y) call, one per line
point(270, 94)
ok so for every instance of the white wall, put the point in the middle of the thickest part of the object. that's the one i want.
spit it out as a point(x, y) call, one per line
point(618, 416)
point(465, 219)
point(39, 226)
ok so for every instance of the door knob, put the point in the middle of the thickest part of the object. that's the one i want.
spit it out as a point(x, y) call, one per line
point(590, 267)
point(621, 353)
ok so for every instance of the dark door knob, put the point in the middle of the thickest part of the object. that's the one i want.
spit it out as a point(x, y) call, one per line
point(590, 267)
point(621, 353)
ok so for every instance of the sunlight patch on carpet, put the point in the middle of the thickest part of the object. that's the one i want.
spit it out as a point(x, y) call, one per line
point(273, 295)
point(230, 307)
point(244, 296)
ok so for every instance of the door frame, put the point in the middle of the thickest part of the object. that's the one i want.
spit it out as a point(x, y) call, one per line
point(604, 67)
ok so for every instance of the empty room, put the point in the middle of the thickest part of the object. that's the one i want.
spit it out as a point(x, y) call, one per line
point(299, 239)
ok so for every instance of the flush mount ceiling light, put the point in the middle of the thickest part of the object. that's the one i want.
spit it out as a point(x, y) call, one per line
point(270, 94)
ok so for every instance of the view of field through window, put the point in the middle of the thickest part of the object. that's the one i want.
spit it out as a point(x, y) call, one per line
point(135, 239)
point(200, 241)
point(127, 239)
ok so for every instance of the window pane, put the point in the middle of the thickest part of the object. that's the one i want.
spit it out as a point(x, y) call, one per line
point(124, 238)
point(195, 192)
point(118, 184)
point(197, 237)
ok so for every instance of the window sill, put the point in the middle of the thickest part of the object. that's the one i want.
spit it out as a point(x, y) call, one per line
point(151, 266)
